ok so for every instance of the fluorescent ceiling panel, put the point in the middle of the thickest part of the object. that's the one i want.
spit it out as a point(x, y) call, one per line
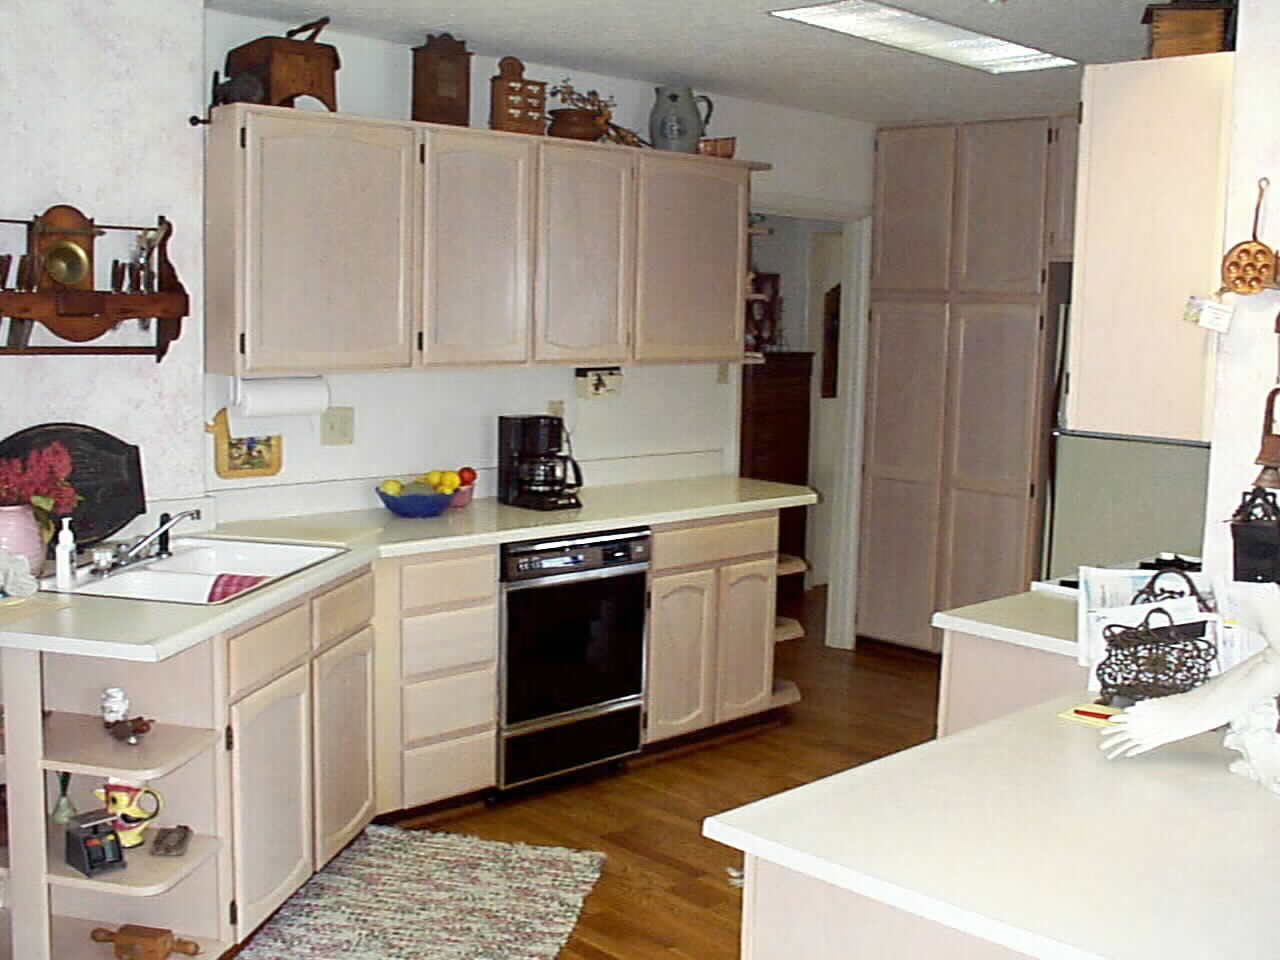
point(909, 31)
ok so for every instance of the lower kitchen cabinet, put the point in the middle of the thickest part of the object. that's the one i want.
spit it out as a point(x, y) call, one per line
point(271, 795)
point(682, 651)
point(437, 649)
point(300, 736)
point(711, 629)
point(744, 649)
point(342, 684)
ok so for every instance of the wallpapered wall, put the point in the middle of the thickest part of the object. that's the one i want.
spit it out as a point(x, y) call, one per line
point(94, 99)
point(1247, 355)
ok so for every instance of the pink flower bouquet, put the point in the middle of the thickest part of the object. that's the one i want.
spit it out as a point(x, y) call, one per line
point(41, 482)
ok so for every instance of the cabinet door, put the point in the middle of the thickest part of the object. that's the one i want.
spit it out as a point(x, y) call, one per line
point(477, 286)
point(902, 462)
point(327, 244)
point(999, 220)
point(988, 538)
point(271, 795)
point(584, 287)
point(744, 638)
point(682, 631)
point(342, 683)
point(915, 176)
point(1060, 202)
point(691, 260)
point(1154, 143)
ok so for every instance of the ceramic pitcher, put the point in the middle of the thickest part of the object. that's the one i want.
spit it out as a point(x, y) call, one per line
point(675, 122)
point(124, 802)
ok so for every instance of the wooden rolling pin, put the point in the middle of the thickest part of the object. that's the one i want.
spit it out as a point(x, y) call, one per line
point(136, 942)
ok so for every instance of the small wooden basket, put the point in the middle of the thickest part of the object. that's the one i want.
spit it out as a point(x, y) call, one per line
point(721, 147)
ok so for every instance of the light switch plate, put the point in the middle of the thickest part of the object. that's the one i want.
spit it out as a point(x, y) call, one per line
point(338, 426)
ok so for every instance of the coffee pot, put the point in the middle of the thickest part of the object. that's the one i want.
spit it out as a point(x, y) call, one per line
point(123, 802)
point(675, 122)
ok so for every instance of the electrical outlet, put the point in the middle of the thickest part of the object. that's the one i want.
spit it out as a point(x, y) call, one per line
point(338, 426)
point(555, 408)
point(598, 381)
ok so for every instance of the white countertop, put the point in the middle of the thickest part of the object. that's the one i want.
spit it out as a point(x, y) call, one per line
point(1044, 620)
point(487, 522)
point(1021, 832)
point(151, 631)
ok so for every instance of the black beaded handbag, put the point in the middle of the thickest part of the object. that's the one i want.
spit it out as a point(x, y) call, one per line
point(1147, 661)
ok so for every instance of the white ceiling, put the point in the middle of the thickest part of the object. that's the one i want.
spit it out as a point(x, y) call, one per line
point(733, 47)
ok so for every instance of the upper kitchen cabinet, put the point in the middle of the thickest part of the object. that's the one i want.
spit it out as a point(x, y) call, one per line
point(915, 174)
point(1154, 141)
point(999, 215)
point(585, 274)
point(309, 242)
point(691, 260)
point(477, 246)
point(1060, 194)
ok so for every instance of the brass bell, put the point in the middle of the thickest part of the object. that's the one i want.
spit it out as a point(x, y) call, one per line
point(66, 262)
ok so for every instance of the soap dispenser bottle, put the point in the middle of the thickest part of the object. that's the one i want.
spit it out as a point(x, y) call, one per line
point(64, 557)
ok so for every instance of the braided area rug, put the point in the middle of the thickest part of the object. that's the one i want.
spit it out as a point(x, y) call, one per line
point(413, 895)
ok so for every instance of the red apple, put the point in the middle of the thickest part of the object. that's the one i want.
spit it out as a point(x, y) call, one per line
point(467, 475)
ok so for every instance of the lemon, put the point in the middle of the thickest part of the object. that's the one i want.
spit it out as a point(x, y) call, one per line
point(451, 478)
point(446, 487)
point(432, 478)
point(391, 488)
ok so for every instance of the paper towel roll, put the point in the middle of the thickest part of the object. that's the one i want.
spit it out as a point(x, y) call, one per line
point(291, 396)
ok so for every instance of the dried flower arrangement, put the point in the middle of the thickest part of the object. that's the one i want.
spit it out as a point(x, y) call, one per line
point(41, 482)
point(602, 107)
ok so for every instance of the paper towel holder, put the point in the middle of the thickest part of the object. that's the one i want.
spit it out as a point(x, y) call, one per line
point(238, 457)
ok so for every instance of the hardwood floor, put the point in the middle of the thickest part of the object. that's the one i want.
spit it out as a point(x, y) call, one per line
point(664, 892)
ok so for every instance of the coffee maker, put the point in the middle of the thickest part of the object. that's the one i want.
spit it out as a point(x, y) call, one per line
point(532, 472)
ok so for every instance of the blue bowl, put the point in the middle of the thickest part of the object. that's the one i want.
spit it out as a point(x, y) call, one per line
point(416, 504)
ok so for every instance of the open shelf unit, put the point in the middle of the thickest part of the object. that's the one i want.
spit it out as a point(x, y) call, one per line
point(144, 875)
point(785, 693)
point(787, 628)
point(71, 940)
point(77, 743)
point(789, 565)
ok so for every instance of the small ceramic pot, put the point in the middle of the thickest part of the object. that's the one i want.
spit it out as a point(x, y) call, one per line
point(20, 534)
point(575, 124)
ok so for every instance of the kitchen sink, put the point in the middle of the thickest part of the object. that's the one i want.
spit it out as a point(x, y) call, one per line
point(203, 570)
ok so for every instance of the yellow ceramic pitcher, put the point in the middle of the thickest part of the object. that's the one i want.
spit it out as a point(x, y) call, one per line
point(123, 802)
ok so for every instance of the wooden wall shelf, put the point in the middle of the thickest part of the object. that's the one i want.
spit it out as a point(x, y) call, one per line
point(79, 315)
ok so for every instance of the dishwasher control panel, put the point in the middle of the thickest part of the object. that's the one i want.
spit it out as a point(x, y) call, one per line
point(547, 558)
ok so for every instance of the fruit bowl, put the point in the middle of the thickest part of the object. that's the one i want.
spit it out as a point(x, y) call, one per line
point(462, 496)
point(416, 504)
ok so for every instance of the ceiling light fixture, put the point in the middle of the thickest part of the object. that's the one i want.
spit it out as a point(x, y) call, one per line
point(909, 31)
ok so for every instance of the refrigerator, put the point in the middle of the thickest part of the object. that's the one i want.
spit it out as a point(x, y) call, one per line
point(1113, 500)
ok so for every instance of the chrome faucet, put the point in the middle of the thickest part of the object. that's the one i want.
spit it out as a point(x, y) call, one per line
point(139, 550)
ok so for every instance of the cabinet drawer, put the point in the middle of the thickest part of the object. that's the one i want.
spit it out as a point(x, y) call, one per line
point(451, 580)
point(258, 654)
point(714, 542)
point(433, 708)
point(342, 610)
point(452, 638)
point(450, 769)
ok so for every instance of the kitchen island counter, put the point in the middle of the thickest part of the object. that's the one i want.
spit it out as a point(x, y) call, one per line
point(1015, 838)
